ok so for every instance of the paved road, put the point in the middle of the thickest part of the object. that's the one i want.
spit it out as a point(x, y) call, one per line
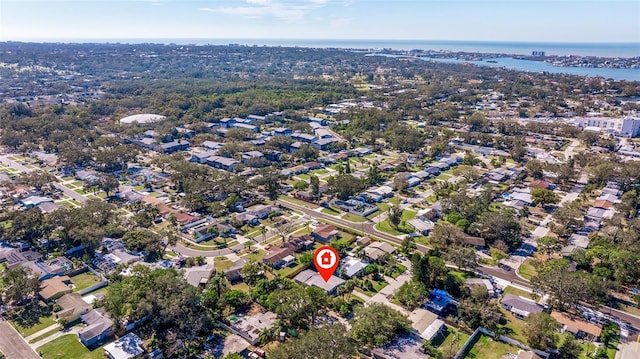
point(71, 193)
point(512, 277)
point(12, 345)
point(629, 349)
point(367, 227)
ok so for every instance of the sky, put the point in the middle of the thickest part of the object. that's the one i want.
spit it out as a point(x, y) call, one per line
point(459, 20)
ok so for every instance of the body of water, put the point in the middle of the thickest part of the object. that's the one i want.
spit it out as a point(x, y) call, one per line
point(540, 66)
point(511, 48)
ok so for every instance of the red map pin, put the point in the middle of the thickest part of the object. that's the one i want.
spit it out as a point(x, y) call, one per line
point(326, 260)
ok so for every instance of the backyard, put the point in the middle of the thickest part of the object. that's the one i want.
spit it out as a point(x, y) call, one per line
point(487, 348)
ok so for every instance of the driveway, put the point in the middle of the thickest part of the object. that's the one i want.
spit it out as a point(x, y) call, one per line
point(629, 349)
point(12, 345)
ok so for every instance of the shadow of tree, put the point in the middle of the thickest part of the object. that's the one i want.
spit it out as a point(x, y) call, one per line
point(30, 314)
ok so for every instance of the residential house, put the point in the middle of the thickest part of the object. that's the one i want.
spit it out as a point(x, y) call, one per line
point(98, 326)
point(304, 195)
point(54, 288)
point(201, 157)
point(251, 155)
point(405, 346)
point(320, 121)
point(377, 250)
point(199, 276)
point(303, 137)
point(33, 201)
point(233, 273)
point(312, 278)
point(174, 146)
point(262, 211)
point(15, 257)
point(440, 302)
point(185, 132)
point(520, 307)
point(295, 146)
point(72, 307)
point(351, 267)
point(127, 347)
point(246, 126)
point(212, 145)
point(276, 256)
point(282, 131)
point(421, 225)
point(324, 144)
point(480, 282)
point(227, 122)
point(577, 326)
point(223, 163)
point(425, 324)
point(325, 232)
point(249, 327)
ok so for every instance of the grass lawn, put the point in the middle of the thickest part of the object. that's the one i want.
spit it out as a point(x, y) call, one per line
point(221, 265)
point(488, 348)
point(330, 210)
point(514, 327)
point(241, 286)
point(354, 218)
point(288, 271)
point(450, 340)
point(377, 286)
point(385, 226)
point(43, 323)
point(297, 201)
point(383, 206)
point(257, 255)
point(422, 240)
point(321, 171)
point(527, 270)
point(84, 280)
point(79, 191)
point(68, 346)
point(431, 199)
point(515, 291)
point(394, 200)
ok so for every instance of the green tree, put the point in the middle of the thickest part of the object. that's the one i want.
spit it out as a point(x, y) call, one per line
point(395, 216)
point(315, 186)
point(544, 197)
point(411, 294)
point(377, 325)
point(18, 286)
point(540, 330)
point(548, 245)
point(329, 342)
point(570, 348)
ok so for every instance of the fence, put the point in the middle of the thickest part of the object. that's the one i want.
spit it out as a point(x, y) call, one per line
point(474, 338)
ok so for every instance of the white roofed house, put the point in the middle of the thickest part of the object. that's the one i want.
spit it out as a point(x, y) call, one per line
point(421, 225)
point(351, 267)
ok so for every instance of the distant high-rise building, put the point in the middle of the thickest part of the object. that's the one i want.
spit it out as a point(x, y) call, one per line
point(538, 53)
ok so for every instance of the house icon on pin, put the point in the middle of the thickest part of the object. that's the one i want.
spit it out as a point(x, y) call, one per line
point(326, 258)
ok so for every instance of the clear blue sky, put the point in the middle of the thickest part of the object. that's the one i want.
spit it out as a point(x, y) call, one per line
point(475, 20)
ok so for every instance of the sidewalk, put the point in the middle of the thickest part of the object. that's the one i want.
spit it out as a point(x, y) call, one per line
point(43, 331)
point(72, 330)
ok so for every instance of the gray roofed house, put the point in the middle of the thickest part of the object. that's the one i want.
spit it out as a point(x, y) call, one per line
point(422, 226)
point(200, 275)
point(72, 307)
point(233, 273)
point(519, 306)
point(98, 327)
point(376, 250)
point(312, 278)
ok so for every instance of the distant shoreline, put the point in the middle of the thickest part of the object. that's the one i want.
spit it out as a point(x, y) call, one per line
point(612, 50)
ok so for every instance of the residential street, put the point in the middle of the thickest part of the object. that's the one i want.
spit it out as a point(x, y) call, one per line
point(12, 345)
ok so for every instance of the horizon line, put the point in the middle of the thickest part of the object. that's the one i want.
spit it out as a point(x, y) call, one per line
point(164, 39)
